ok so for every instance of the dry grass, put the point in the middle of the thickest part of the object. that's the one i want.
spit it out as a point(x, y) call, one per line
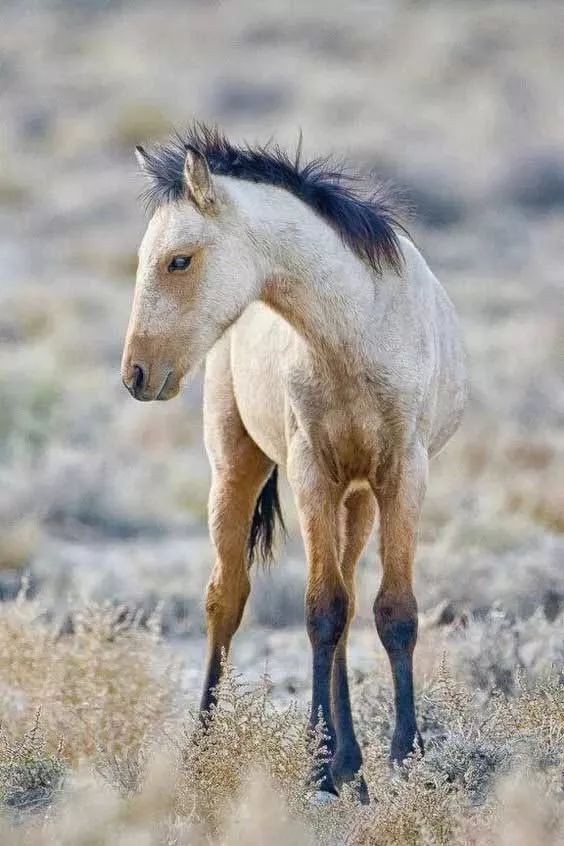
point(97, 688)
point(91, 719)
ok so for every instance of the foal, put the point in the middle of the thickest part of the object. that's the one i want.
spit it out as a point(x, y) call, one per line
point(332, 351)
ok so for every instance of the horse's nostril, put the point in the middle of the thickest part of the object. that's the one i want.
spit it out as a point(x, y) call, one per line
point(138, 379)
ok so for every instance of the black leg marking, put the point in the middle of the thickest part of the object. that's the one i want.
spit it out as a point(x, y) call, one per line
point(325, 627)
point(398, 635)
point(347, 759)
point(213, 675)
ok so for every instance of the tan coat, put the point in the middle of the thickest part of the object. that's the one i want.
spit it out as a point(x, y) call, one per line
point(349, 380)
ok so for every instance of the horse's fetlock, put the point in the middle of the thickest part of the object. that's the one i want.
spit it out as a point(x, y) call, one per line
point(347, 759)
point(406, 741)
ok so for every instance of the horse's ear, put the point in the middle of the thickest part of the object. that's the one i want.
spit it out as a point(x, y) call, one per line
point(198, 179)
point(142, 157)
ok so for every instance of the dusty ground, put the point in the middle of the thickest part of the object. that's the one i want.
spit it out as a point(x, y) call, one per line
point(103, 498)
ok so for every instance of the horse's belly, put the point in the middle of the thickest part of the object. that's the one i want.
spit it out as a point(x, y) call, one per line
point(259, 343)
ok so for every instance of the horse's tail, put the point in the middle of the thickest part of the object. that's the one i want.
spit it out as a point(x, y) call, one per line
point(267, 511)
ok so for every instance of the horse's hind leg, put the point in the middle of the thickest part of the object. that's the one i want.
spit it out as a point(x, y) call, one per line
point(360, 508)
point(400, 497)
point(239, 470)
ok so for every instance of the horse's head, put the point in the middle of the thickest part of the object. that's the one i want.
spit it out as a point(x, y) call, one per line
point(195, 276)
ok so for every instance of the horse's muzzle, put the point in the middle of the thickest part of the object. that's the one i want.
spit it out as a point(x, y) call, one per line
point(146, 386)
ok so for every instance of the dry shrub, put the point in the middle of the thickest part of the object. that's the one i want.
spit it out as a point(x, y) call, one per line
point(246, 734)
point(473, 739)
point(530, 812)
point(492, 773)
point(414, 806)
point(100, 691)
point(262, 815)
point(526, 811)
point(29, 774)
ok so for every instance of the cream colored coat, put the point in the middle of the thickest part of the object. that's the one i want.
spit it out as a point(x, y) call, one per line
point(349, 380)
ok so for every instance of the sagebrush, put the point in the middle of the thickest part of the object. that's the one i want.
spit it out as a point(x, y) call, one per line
point(95, 716)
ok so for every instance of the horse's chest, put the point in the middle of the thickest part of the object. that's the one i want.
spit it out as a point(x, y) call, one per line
point(343, 428)
point(282, 391)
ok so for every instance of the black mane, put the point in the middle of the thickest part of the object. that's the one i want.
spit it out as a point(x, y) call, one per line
point(364, 217)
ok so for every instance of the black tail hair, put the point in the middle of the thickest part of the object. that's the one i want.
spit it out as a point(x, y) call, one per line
point(267, 511)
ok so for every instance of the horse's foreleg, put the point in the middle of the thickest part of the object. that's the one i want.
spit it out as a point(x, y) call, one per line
point(400, 497)
point(360, 507)
point(326, 594)
point(233, 497)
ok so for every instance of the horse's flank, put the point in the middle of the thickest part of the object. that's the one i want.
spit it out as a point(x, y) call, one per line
point(328, 353)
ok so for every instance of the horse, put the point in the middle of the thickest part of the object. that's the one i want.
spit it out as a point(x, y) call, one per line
point(331, 351)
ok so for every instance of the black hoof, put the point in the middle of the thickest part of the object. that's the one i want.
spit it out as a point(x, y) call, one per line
point(344, 773)
point(325, 781)
point(405, 744)
point(360, 791)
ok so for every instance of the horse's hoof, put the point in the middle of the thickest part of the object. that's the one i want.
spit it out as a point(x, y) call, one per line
point(322, 797)
point(405, 745)
point(357, 787)
point(360, 792)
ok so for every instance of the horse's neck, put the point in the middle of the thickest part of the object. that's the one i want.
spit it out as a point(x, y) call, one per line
point(307, 275)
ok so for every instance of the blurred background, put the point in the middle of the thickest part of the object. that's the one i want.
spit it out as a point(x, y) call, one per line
point(459, 103)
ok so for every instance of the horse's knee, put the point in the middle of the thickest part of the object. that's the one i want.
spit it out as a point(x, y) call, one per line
point(327, 616)
point(225, 601)
point(396, 622)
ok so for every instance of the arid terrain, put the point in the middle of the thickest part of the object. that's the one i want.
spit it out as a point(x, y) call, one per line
point(104, 552)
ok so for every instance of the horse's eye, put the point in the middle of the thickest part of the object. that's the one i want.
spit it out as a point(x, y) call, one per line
point(179, 263)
